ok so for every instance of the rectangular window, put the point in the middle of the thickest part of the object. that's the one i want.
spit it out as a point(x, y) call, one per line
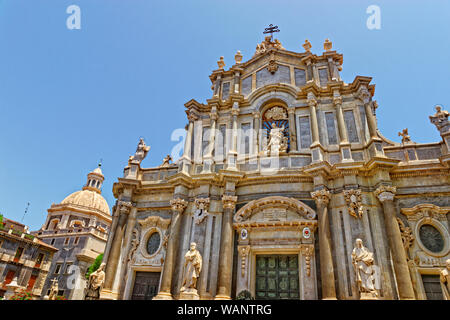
point(58, 268)
point(39, 260)
point(225, 90)
point(31, 282)
point(245, 139)
point(9, 277)
point(350, 123)
point(323, 77)
point(205, 140)
point(77, 239)
point(67, 268)
point(53, 241)
point(300, 77)
point(362, 113)
point(18, 254)
point(432, 286)
point(66, 242)
point(331, 127)
point(221, 143)
point(305, 132)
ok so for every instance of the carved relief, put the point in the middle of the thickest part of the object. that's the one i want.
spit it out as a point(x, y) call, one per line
point(274, 201)
point(134, 246)
point(407, 235)
point(178, 205)
point(202, 205)
point(229, 202)
point(276, 113)
point(385, 193)
point(353, 199)
point(267, 44)
point(307, 252)
point(124, 207)
point(322, 196)
point(244, 251)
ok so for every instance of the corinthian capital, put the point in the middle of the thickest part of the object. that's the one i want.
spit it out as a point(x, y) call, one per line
point(385, 193)
point(337, 100)
point(229, 202)
point(192, 117)
point(321, 196)
point(178, 205)
point(312, 102)
point(124, 206)
point(363, 94)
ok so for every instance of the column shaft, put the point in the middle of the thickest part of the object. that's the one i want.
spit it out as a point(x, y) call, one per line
point(371, 120)
point(341, 124)
point(188, 141)
point(292, 129)
point(226, 249)
point(314, 125)
point(404, 284)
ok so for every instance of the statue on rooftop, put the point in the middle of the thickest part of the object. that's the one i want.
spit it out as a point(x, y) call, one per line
point(405, 137)
point(141, 152)
point(166, 161)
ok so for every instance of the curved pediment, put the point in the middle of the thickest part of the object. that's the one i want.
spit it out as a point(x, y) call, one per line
point(274, 208)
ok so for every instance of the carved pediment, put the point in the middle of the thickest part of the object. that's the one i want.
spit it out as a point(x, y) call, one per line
point(275, 208)
point(154, 221)
point(426, 210)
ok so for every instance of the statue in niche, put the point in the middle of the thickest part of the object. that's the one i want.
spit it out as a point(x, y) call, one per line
point(445, 280)
point(95, 283)
point(277, 140)
point(191, 270)
point(141, 152)
point(53, 290)
point(363, 263)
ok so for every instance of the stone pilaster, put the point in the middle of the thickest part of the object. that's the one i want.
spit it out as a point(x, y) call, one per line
point(208, 158)
point(256, 117)
point(386, 196)
point(178, 206)
point(226, 249)
point(322, 198)
point(186, 158)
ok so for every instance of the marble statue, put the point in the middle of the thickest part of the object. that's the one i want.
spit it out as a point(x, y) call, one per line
point(141, 152)
point(445, 280)
point(192, 268)
point(277, 142)
point(95, 283)
point(362, 260)
point(53, 290)
point(166, 161)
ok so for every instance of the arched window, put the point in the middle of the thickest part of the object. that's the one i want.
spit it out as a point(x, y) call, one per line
point(277, 115)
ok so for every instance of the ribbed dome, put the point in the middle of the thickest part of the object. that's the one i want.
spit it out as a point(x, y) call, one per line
point(88, 199)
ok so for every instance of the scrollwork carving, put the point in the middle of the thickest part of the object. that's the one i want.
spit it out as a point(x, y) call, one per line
point(353, 199)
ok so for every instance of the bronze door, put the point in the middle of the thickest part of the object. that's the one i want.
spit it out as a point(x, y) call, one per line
point(145, 285)
point(277, 277)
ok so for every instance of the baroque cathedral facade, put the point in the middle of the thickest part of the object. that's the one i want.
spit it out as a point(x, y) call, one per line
point(286, 189)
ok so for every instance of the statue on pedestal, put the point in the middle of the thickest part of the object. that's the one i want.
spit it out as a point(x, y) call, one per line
point(53, 290)
point(362, 260)
point(445, 280)
point(95, 283)
point(166, 161)
point(192, 268)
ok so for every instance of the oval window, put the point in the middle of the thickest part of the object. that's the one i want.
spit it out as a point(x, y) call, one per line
point(153, 243)
point(431, 238)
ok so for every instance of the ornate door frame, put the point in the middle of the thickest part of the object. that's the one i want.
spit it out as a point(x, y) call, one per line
point(276, 226)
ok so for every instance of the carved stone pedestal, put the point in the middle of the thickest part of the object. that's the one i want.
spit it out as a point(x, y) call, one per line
point(368, 296)
point(163, 296)
point(189, 295)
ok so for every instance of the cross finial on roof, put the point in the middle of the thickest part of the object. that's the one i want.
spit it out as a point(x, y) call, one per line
point(271, 29)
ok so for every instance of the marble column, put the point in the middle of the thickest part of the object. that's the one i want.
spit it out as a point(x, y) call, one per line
point(114, 255)
point(226, 249)
point(312, 102)
point(232, 154)
point(186, 158)
point(131, 224)
point(112, 231)
point(178, 206)
point(386, 196)
point(292, 129)
point(364, 95)
point(256, 117)
point(208, 158)
point(340, 120)
point(322, 197)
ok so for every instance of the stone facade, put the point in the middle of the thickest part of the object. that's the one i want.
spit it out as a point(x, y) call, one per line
point(78, 227)
point(283, 224)
point(24, 258)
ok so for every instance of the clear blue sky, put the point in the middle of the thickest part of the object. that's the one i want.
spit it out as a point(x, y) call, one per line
point(71, 97)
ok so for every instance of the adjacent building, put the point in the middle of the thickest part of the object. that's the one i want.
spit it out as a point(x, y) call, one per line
point(78, 227)
point(23, 258)
point(284, 183)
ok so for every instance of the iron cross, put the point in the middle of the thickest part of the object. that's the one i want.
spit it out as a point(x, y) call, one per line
point(271, 29)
